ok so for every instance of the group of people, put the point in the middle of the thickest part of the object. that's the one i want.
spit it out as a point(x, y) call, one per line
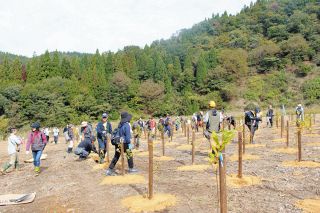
point(212, 121)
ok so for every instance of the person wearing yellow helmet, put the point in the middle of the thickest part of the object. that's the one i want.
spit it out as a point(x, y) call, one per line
point(212, 119)
point(212, 104)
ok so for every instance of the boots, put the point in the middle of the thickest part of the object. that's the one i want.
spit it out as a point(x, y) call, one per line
point(133, 170)
point(16, 165)
point(69, 149)
point(102, 156)
point(37, 169)
point(6, 166)
point(110, 172)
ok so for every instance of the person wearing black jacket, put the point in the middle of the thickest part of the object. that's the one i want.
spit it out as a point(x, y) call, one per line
point(125, 134)
point(252, 120)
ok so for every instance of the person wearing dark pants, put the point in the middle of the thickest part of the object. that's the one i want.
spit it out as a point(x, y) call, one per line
point(252, 120)
point(125, 134)
point(103, 129)
point(84, 149)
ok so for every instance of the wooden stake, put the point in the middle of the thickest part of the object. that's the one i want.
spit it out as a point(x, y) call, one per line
point(282, 125)
point(299, 144)
point(185, 129)
point(222, 178)
point(202, 129)
point(251, 134)
point(188, 134)
point(163, 145)
point(288, 128)
point(150, 148)
point(244, 137)
point(172, 130)
point(277, 122)
point(240, 154)
point(155, 134)
point(122, 157)
point(145, 133)
point(108, 151)
point(193, 141)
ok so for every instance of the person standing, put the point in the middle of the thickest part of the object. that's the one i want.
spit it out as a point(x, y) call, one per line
point(167, 126)
point(55, 134)
point(65, 133)
point(299, 114)
point(70, 137)
point(252, 120)
point(270, 117)
point(37, 142)
point(104, 129)
point(125, 134)
point(46, 131)
point(152, 127)
point(137, 131)
point(211, 120)
point(14, 143)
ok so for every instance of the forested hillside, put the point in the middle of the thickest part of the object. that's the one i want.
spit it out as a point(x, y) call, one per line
point(268, 53)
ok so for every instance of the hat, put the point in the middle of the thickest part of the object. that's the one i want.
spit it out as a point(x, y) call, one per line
point(212, 104)
point(104, 115)
point(299, 105)
point(125, 117)
point(11, 129)
point(84, 123)
point(35, 125)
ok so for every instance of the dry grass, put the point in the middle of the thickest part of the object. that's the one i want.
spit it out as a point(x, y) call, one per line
point(285, 150)
point(309, 164)
point(163, 158)
point(123, 180)
point(194, 168)
point(254, 145)
point(234, 182)
point(140, 203)
point(309, 205)
point(184, 147)
point(244, 157)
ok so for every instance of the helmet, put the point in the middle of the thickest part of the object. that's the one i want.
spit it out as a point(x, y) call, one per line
point(212, 104)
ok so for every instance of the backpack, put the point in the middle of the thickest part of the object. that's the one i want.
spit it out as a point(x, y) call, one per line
point(166, 122)
point(115, 137)
point(37, 144)
point(213, 124)
point(247, 117)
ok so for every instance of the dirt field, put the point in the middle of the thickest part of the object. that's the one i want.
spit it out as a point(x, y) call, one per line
point(67, 185)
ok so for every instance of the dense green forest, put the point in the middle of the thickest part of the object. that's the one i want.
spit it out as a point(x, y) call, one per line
point(268, 53)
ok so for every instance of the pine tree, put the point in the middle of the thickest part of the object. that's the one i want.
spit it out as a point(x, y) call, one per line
point(201, 72)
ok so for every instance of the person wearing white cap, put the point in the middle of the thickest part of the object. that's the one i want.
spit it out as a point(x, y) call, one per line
point(104, 129)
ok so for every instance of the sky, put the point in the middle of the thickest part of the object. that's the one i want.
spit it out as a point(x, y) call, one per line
point(86, 25)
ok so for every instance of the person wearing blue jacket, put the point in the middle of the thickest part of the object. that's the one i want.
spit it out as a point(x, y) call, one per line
point(103, 129)
point(125, 134)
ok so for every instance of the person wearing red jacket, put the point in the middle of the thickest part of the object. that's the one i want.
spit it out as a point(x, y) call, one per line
point(37, 141)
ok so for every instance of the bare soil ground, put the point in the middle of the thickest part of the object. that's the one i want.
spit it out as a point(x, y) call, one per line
point(67, 185)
